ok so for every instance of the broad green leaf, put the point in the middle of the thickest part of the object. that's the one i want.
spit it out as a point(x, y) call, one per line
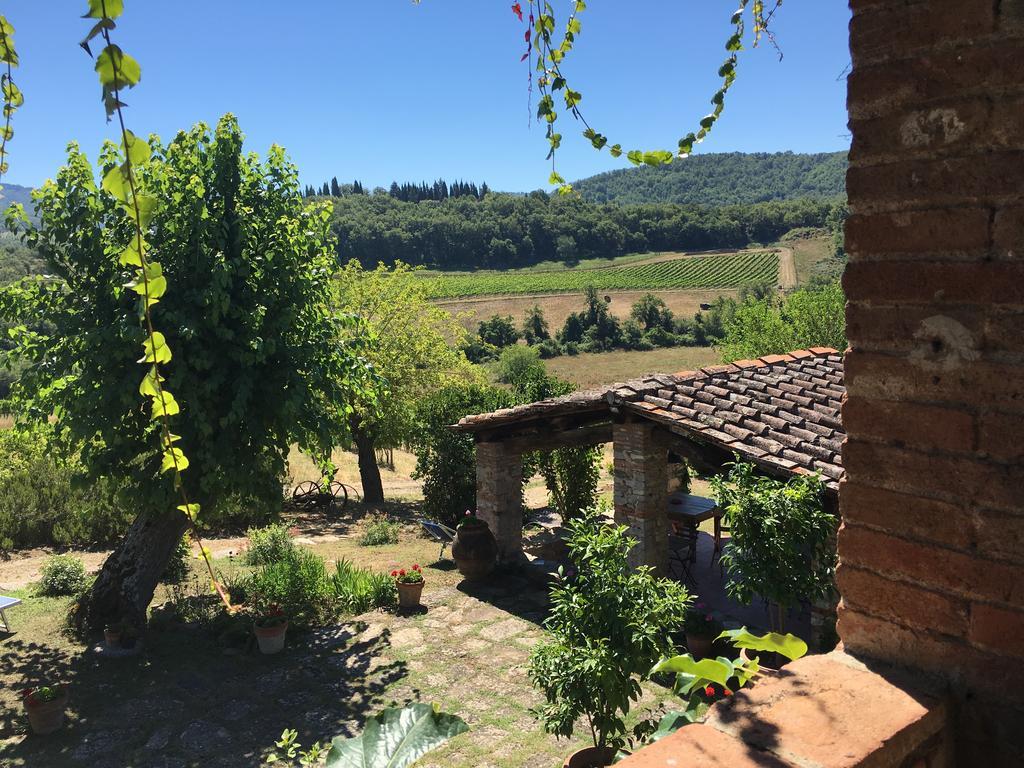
point(707, 669)
point(147, 206)
point(99, 9)
point(190, 510)
point(117, 69)
point(555, 178)
point(790, 646)
point(396, 738)
point(155, 349)
point(12, 93)
point(97, 29)
point(174, 459)
point(676, 719)
point(164, 404)
point(6, 132)
point(148, 385)
point(137, 150)
point(115, 183)
point(657, 157)
point(636, 157)
point(130, 256)
point(615, 150)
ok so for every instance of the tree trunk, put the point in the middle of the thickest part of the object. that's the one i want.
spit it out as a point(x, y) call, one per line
point(369, 472)
point(128, 578)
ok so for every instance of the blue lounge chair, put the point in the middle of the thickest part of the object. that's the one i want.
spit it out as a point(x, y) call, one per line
point(439, 532)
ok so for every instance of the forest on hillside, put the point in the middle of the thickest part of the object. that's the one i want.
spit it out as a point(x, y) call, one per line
point(733, 178)
point(504, 231)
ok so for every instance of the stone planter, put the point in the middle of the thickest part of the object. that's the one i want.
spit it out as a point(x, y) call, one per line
point(699, 647)
point(475, 551)
point(591, 757)
point(409, 594)
point(47, 716)
point(270, 639)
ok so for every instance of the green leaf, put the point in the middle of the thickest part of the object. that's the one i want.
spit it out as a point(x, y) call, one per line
point(97, 29)
point(130, 256)
point(615, 150)
point(115, 183)
point(636, 157)
point(174, 459)
point(164, 404)
point(555, 178)
point(396, 738)
point(790, 646)
point(117, 69)
point(705, 669)
point(155, 349)
point(136, 150)
point(191, 511)
point(147, 206)
point(148, 385)
point(657, 157)
point(99, 9)
point(676, 719)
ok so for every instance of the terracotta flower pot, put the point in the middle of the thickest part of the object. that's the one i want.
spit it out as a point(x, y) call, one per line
point(270, 639)
point(47, 716)
point(409, 594)
point(475, 551)
point(591, 757)
point(699, 647)
point(112, 638)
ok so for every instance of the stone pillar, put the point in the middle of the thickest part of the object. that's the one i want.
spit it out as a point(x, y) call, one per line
point(641, 491)
point(499, 497)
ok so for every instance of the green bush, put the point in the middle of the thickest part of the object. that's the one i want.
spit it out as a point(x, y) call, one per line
point(359, 590)
point(380, 530)
point(518, 364)
point(297, 583)
point(62, 575)
point(41, 505)
point(268, 545)
point(178, 566)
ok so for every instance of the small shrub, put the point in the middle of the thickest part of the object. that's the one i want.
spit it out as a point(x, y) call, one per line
point(62, 575)
point(298, 583)
point(177, 567)
point(360, 590)
point(272, 544)
point(379, 530)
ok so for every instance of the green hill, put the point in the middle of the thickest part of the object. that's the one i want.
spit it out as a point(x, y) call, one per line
point(14, 193)
point(733, 178)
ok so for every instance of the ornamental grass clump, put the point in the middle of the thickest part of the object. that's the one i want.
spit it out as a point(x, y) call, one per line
point(609, 624)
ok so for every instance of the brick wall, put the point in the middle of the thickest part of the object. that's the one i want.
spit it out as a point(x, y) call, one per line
point(499, 497)
point(641, 490)
point(932, 543)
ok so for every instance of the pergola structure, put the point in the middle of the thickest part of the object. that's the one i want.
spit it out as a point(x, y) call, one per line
point(779, 412)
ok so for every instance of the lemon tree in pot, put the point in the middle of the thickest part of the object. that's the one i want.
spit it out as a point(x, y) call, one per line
point(609, 624)
point(45, 707)
point(474, 550)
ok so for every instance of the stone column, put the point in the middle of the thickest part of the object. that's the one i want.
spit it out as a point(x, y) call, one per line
point(499, 497)
point(641, 491)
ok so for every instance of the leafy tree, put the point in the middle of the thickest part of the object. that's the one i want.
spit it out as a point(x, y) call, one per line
point(518, 365)
point(259, 363)
point(446, 460)
point(782, 546)
point(651, 312)
point(411, 353)
point(499, 331)
point(335, 188)
point(596, 328)
point(535, 327)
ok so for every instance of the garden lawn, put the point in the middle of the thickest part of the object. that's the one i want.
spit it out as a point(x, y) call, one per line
point(185, 702)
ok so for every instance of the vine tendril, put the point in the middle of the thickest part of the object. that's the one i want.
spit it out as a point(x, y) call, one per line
point(13, 97)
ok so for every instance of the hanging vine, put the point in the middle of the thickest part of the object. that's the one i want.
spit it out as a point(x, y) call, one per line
point(117, 72)
point(550, 56)
point(12, 94)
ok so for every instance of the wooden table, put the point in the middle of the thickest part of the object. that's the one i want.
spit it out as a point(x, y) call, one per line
point(7, 602)
point(686, 509)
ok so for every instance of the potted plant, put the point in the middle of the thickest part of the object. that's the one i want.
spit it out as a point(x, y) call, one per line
point(410, 586)
point(112, 634)
point(270, 629)
point(701, 629)
point(45, 707)
point(474, 549)
point(608, 625)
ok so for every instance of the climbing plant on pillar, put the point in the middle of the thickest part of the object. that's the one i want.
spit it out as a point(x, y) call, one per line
point(259, 361)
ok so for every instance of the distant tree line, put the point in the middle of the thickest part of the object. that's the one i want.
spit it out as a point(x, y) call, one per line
point(407, 192)
point(503, 231)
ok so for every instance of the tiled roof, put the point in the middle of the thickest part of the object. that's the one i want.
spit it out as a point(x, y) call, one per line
point(779, 411)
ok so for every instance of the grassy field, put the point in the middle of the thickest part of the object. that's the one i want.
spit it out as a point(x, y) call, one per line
point(717, 271)
point(591, 370)
point(807, 252)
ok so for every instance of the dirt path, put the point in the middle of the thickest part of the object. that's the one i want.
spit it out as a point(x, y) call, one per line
point(787, 269)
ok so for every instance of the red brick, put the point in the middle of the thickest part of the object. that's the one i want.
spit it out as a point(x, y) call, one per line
point(998, 282)
point(942, 128)
point(998, 629)
point(945, 231)
point(1008, 231)
point(988, 177)
point(954, 479)
point(901, 602)
point(934, 77)
point(955, 573)
point(890, 377)
point(1001, 435)
point(896, 30)
point(901, 423)
point(1000, 535)
point(908, 515)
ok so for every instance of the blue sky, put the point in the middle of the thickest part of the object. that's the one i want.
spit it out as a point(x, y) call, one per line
point(386, 89)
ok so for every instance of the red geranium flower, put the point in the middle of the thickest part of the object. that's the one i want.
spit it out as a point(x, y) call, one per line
point(415, 567)
point(728, 692)
point(402, 572)
point(394, 573)
point(709, 690)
